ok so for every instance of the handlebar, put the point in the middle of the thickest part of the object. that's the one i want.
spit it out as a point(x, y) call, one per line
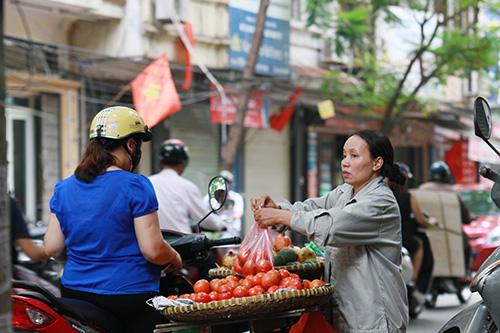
point(224, 241)
point(490, 174)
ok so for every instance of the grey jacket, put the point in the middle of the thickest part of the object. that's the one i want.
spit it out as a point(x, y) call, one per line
point(362, 240)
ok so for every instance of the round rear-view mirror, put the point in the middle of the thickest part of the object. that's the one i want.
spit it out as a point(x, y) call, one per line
point(217, 192)
point(482, 118)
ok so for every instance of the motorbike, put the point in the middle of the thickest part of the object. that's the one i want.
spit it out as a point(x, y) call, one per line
point(450, 271)
point(483, 316)
point(35, 309)
point(416, 299)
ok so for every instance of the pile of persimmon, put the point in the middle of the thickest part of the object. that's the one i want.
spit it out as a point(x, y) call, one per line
point(251, 285)
point(248, 263)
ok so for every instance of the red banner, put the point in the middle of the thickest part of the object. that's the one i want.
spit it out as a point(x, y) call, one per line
point(463, 169)
point(154, 93)
point(280, 120)
point(183, 53)
point(255, 117)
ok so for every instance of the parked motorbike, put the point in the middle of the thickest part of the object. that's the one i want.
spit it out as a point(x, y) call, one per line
point(34, 309)
point(416, 299)
point(483, 316)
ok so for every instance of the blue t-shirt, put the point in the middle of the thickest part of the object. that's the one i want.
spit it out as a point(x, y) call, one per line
point(97, 219)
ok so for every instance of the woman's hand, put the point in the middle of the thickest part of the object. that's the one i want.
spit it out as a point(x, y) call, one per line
point(175, 264)
point(263, 201)
point(266, 217)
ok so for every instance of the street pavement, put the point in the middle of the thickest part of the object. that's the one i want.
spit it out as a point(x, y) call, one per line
point(431, 320)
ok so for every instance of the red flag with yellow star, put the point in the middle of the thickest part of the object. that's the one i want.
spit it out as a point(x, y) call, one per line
point(154, 93)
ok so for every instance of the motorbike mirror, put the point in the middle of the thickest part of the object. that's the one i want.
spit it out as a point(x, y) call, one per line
point(482, 118)
point(217, 193)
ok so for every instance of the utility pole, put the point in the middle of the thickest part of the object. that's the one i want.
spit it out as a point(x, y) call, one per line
point(237, 129)
point(5, 265)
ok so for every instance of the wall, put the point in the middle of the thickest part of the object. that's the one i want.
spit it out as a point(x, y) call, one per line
point(267, 167)
point(118, 39)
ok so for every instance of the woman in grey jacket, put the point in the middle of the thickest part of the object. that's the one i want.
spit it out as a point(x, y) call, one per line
point(359, 226)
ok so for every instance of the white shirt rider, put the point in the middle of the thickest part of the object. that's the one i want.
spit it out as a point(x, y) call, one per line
point(180, 202)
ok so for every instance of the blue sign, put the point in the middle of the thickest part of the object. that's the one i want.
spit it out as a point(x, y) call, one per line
point(274, 50)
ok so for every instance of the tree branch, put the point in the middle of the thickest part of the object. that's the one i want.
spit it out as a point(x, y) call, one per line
point(386, 120)
point(237, 129)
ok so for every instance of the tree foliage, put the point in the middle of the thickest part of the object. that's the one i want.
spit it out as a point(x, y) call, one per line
point(449, 41)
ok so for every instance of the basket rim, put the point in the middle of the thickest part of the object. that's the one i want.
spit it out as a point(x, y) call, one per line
point(297, 266)
point(238, 301)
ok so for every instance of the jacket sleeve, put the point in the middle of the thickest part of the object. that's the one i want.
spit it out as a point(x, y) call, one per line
point(360, 222)
point(198, 209)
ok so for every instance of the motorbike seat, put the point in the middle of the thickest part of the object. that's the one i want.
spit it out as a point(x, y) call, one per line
point(92, 314)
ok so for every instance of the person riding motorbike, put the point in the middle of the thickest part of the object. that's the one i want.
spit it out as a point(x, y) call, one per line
point(442, 180)
point(21, 237)
point(106, 217)
point(412, 217)
point(181, 203)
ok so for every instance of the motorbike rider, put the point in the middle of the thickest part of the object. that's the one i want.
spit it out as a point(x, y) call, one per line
point(180, 200)
point(442, 180)
point(106, 217)
point(20, 236)
point(358, 224)
point(414, 241)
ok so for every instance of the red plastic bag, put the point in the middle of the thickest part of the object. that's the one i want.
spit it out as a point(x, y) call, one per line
point(312, 322)
point(256, 251)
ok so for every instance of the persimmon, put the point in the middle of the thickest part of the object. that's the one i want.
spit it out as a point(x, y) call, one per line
point(317, 283)
point(264, 265)
point(202, 286)
point(240, 291)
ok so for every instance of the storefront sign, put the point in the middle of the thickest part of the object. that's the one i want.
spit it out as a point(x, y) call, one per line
point(257, 113)
point(463, 169)
point(274, 51)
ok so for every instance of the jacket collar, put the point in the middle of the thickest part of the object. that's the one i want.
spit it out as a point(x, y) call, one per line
point(373, 184)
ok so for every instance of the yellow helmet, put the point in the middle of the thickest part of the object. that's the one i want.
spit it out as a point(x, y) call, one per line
point(118, 122)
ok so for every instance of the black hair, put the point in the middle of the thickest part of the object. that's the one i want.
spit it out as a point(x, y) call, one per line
point(98, 157)
point(380, 145)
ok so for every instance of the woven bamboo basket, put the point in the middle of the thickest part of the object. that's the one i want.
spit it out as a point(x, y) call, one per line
point(308, 271)
point(245, 307)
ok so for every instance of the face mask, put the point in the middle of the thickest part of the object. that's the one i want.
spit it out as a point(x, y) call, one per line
point(135, 156)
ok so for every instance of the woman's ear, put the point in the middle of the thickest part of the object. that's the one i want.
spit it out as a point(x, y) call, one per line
point(378, 163)
point(131, 144)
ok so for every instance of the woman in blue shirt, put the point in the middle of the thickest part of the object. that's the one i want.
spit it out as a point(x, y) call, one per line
point(106, 217)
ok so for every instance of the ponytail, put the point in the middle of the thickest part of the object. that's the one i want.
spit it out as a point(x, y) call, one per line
point(394, 174)
point(97, 158)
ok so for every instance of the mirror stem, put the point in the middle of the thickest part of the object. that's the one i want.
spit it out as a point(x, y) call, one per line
point(492, 147)
point(203, 219)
